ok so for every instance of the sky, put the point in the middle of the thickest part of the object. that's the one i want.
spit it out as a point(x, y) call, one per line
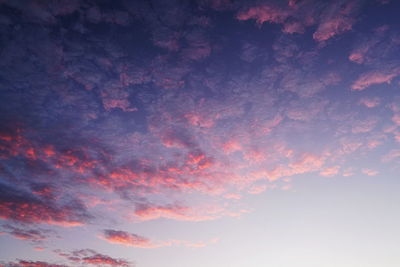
point(202, 133)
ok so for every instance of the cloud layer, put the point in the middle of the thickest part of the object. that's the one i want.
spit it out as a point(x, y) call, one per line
point(139, 112)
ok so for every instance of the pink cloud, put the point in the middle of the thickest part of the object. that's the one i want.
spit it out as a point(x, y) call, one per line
point(338, 18)
point(257, 189)
point(293, 27)
point(176, 212)
point(128, 239)
point(27, 263)
point(374, 77)
point(397, 137)
point(370, 172)
point(34, 235)
point(178, 138)
point(333, 18)
point(182, 213)
point(392, 155)
point(396, 118)
point(21, 206)
point(370, 102)
point(263, 13)
point(197, 119)
point(118, 103)
point(133, 240)
point(233, 196)
point(364, 126)
point(348, 172)
point(116, 98)
point(254, 155)
point(349, 146)
point(231, 146)
point(305, 163)
point(199, 160)
point(89, 256)
point(198, 49)
point(333, 27)
point(357, 57)
point(374, 143)
point(286, 187)
point(330, 171)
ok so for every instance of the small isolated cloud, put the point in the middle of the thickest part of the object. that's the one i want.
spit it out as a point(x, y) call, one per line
point(348, 172)
point(133, 240)
point(128, 239)
point(263, 13)
point(370, 172)
point(357, 56)
point(332, 27)
point(337, 19)
point(147, 212)
point(370, 102)
point(374, 77)
point(257, 189)
point(330, 171)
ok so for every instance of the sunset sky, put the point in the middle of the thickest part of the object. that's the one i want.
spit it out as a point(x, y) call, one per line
point(202, 133)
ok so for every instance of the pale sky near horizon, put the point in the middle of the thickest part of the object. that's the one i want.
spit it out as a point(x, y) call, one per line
point(204, 133)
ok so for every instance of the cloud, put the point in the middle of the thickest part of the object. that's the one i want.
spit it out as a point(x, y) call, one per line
point(367, 79)
point(293, 27)
point(370, 172)
point(177, 212)
point(146, 212)
point(332, 27)
point(91, 257)
point(263, 13)
point(116, 98)
point(304, 163)
point(177, 138)
point(337, 19)
point(396, 118)
point(33, 235)
point(27, 263)
point(330, 171)
point(183, 118)
point(233, 196)
point(392, 155)
point(128, 239)
point(22, 206)
point(332, 19)
point(364, 126)
point(370, 102)
point(257, 189)
point(133, 240)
